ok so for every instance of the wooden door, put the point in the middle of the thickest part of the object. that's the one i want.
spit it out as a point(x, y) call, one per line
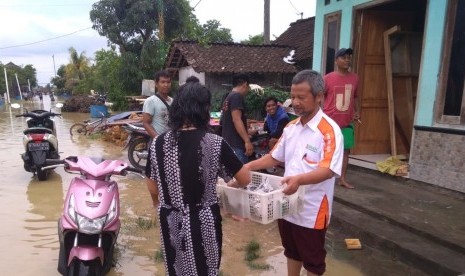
point(372, 136)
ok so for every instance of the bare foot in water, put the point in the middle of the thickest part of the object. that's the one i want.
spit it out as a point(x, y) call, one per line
point(345, 184)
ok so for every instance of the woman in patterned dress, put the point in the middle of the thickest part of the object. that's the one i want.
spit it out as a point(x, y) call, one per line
point(183, 168)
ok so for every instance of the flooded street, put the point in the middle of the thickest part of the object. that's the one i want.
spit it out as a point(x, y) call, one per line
point(29, 211)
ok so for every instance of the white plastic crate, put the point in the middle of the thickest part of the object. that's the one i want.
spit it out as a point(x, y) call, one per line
point(259, 206)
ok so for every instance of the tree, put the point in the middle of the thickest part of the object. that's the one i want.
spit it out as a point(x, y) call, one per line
point(28, 72)
point(255, 40)
point(134, 27)
point(212, 32)
point(133, 24)
point(76, 70)
point(24, 74)
point(106, 71)
point(60, 80)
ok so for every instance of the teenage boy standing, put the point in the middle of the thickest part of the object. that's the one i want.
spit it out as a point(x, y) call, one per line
point(341, 103)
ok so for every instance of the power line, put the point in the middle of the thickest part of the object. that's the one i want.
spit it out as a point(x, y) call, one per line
point(298, 12)
point(42, 5)
point(48, 39)
point(196, 4)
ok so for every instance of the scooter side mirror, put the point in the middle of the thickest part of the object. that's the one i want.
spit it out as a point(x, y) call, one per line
point(15, 105)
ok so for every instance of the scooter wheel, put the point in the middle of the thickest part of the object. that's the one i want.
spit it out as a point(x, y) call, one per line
point(84, 268)
point(41, 175)
point(78, 129)
point(137, 152)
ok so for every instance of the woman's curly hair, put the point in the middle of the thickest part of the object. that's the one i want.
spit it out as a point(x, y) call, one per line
point(190, 107)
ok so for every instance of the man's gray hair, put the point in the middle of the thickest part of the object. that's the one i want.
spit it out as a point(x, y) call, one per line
point(313, 78)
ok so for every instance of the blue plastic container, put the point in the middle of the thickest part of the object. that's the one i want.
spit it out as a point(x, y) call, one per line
point(98, 111)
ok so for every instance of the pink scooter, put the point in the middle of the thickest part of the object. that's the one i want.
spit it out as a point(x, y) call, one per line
point(89, 224)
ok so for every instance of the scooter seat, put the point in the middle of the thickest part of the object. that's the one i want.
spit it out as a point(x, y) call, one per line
point(37, 130)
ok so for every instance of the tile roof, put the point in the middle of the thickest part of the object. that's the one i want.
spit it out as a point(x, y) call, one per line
point(228, 57)
point(299, 35)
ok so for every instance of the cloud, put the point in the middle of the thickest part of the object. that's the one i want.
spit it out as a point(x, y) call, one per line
point(26, 21)
point(52, 30)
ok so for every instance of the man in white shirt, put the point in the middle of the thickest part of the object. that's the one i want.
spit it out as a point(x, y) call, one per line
point(311, 148)
point(155, 109)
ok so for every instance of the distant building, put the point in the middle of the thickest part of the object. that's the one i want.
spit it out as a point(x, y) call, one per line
point(214, 64)
point(299, 36)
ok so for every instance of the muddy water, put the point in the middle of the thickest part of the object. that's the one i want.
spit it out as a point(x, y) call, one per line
point(29, 210)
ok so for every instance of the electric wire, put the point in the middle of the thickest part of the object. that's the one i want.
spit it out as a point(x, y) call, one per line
point(298, 12)
point(196, 4)
point(45, 40)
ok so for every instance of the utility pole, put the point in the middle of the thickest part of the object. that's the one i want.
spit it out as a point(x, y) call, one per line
point(55, 70)
point(266, 23)
point(7, 94)
point(19, 87)
point(161, 21)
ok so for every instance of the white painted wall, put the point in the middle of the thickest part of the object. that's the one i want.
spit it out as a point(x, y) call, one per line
point(188, 71)
point(148, 88)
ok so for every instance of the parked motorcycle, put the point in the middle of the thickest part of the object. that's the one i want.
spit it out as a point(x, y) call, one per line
point(138, 144)
point(40, 140)
point(89, 225)
point(260, 149)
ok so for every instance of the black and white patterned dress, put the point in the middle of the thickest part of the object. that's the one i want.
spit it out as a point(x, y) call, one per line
point(186, 165)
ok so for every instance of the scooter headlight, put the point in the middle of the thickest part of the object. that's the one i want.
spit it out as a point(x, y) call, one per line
point(71, 209)
point(112, 211)
point(91, 226)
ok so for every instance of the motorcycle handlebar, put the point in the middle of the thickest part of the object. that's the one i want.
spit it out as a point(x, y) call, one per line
point(33, 115)
point(54, 162)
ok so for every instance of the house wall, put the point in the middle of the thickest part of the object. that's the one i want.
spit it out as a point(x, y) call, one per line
point(188, 71)
point(431, 55)
point(438, 158)
point(437, 155)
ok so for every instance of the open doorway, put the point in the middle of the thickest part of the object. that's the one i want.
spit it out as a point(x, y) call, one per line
point(388, 45)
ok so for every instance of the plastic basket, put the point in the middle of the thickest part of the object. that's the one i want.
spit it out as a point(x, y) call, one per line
point(259, 206)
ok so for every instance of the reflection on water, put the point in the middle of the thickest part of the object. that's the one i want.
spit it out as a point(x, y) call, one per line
point(45, 201)
point(29, 211)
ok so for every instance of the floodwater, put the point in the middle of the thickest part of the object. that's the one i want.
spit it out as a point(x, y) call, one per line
point(29, 211)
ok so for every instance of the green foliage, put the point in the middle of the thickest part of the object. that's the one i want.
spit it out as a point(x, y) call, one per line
point(60, 80)
point(145, 223)
point(252, 253)
point(212, 32)
point(95, 136)
point(78, 69)
point(106, 71)
point(117, 97)
point(134, 26)
point(255, 39)
point(217, 97)
point(158, 256)
point(24, 73)
point(254, 101)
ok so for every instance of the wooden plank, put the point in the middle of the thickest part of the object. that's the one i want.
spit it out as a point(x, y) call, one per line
point(390, 92)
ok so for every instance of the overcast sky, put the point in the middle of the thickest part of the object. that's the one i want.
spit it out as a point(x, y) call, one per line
point(40, 32)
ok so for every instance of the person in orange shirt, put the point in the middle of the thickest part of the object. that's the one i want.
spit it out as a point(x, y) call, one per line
point(311, 148)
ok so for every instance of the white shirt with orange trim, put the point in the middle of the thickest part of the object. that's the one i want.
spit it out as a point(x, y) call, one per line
point(304, 148)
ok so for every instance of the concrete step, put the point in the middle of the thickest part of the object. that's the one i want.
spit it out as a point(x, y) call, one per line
point(434, 213)
point(409, 247)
